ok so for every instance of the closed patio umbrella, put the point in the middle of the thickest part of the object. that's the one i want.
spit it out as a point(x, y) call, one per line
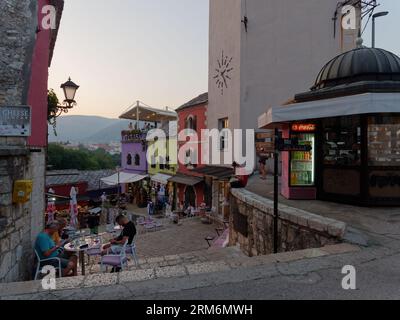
point(51, 206)
point(73, 207)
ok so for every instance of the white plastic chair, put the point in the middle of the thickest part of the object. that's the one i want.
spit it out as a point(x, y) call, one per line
point(39, 262)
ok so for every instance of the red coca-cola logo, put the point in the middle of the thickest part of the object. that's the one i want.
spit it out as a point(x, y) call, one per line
point(299, 127)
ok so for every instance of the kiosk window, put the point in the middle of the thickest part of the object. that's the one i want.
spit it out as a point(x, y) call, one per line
point(342, 141)
point(384, 141)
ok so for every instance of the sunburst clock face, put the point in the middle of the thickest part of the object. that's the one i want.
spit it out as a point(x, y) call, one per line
point(223, 73)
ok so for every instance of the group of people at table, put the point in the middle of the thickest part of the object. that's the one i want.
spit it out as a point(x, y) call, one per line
point(51, 241)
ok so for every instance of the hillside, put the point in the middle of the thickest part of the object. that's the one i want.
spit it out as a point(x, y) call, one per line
point(87, 129)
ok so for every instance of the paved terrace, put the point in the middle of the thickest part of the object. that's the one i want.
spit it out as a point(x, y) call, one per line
point(173, 245)
point(366, 226)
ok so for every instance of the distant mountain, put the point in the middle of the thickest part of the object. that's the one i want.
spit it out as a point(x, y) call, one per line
point(110, 133)
point(86, 129)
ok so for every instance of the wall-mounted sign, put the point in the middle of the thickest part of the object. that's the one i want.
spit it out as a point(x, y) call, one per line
point(15, 121)
point(303, 127)
point(133, 136)
point(264, 136)
point(264, 143)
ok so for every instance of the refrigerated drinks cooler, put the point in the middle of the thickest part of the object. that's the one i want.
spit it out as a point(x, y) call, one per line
point(302, 164)
point(298, 167)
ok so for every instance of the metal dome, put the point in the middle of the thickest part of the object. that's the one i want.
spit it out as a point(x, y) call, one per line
point(361, 64)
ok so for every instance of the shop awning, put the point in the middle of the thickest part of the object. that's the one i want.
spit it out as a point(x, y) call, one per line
point(124, 177)
point(344, 106)
point(186, 180)
point(216, 172)
point(161, 178)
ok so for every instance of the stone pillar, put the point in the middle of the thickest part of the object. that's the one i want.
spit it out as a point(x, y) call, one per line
point(37, 170)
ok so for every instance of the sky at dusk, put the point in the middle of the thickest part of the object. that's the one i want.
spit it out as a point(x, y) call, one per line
point(155, 51)
point(120, 51)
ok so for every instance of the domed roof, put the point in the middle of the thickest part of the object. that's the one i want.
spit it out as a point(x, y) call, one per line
point(361, 64)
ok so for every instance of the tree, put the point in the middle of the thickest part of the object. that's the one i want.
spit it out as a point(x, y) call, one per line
point(60, 158)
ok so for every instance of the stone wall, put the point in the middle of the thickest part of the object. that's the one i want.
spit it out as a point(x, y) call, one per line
point(251, 226)
point(18, 34)
point(15, 225)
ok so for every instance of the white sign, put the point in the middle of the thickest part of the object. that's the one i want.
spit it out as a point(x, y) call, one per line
point(15, 121)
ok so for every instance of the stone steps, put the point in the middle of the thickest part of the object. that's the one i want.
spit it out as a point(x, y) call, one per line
point(200, 256)
point(229, 261)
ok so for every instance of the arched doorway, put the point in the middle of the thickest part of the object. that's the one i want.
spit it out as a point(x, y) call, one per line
point(190, 196)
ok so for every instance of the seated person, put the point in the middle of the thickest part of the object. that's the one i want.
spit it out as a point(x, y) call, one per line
point(240, 177)
point(128, 233)
point(190, 211)
point(46, 248)
point(60, 234)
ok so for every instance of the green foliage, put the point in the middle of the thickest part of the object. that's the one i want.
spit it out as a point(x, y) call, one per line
point(52, 109)
point(60, 158)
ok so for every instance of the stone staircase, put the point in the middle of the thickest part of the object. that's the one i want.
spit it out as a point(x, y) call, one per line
point(214, 264)
point(184, 259)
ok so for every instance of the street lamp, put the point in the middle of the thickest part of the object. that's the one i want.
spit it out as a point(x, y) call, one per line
point(55, 109)
point(376, 15)
point(70, 89)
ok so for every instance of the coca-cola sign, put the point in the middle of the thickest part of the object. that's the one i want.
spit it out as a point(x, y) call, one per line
point(303, 127)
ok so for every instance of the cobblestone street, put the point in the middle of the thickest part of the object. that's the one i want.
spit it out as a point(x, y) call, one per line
point(175, 239)
point(173, 245)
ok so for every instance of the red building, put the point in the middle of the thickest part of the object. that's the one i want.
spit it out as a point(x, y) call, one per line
point(191, 187)
point(41, 61)
point(42, 54)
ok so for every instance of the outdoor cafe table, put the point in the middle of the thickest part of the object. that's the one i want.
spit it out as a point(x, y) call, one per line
point(76, 247)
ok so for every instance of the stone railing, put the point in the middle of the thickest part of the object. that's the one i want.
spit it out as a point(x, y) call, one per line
point(252, 224)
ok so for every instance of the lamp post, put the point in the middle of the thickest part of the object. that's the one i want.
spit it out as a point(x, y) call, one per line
point(376, 15)
point(56, 109)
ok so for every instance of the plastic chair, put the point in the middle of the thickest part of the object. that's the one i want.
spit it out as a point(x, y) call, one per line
point(115, 260)
point(40, 261)
point(95, 251)
point(141, 220)
point(158, 225)
point(131, 249)
point(149, 226)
